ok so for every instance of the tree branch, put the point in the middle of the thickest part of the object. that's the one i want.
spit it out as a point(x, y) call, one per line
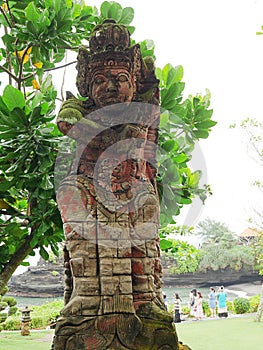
point(63, 66)
point(9, 73)
point(4, 14)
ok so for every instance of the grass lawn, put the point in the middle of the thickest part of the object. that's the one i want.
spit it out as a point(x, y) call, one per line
point(229, 334)
point(34, 341)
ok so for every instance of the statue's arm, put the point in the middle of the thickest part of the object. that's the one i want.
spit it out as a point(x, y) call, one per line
point(72, 120)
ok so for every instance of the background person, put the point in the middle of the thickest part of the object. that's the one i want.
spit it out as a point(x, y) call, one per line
point(212, 301)
point(177, 308)
point(192, 301)
point(221, 300)
point(199, 314)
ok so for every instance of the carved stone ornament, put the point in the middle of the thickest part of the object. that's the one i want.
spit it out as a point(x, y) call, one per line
point(109, 203)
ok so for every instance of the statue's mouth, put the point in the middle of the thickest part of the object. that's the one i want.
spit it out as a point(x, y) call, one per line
point(111, 99)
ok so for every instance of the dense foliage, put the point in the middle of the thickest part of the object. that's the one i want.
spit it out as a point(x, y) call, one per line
point(213, 232)
point(181, 257)
point(37, 35)
point(219, 250)
point(241, 305)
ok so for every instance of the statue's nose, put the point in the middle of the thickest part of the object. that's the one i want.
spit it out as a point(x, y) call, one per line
point(111, 86)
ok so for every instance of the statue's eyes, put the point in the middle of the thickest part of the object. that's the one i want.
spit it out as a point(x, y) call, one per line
point(99, 80)
point(122, 78)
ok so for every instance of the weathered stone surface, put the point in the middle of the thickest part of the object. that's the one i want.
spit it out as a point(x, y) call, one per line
point(109, 203)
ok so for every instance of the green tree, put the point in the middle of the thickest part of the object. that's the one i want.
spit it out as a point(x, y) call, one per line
point(184, 255)
point(215, 257)
point(214, 232)
point(37, 35)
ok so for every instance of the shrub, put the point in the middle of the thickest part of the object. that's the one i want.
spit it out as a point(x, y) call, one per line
point(12, 310)
point(49, 311)
point(170, 308)
point(10, 301)
point(3, 316)
point(241, 305)
point(41, 316)
point(38, 322)
point(186, 310)
point(206, 309)
point(12, 324)
point(230, 306)
point(3, 305)
point(254, 302)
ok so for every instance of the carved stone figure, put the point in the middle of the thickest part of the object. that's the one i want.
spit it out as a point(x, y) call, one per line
point(109, 203)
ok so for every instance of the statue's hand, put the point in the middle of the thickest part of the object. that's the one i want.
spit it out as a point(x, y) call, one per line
point(71, 111)
point(72, 120)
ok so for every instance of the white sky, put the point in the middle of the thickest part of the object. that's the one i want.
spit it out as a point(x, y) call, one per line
point(216, 43)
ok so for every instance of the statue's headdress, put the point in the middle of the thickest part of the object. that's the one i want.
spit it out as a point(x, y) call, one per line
point(110, 46)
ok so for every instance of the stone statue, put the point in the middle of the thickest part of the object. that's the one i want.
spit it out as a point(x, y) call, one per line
point(109, 203)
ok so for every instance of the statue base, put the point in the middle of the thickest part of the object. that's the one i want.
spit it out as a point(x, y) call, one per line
point(150, 328)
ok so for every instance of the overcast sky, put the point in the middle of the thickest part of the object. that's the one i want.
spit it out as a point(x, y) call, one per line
point(216, 43)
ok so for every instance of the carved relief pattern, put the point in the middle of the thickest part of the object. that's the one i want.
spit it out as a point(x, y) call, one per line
point(109, 204)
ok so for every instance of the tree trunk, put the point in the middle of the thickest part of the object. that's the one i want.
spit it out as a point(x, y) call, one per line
point(14, 262)
point(260, 307)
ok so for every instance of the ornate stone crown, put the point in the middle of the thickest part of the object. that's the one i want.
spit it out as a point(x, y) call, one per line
point(110, 46)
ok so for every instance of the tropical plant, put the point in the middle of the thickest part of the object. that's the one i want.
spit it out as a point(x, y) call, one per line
point(215, 232)
point(36, 37)
point(241, 305)
point(184, 257)
point(217, 257)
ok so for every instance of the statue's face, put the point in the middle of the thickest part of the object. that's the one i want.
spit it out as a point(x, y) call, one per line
point(112, 85)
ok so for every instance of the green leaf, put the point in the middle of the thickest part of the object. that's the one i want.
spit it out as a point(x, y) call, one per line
point(127, 15)
point(115, 11)
point(44, 227)
point(19, 117)
point(171, 93)
point(169, 145)
point(207, 124)
point(32, 13)
point(46, 183)
point(181, 158)
point(104, 9)
point(172, 175)
point(175, 75)
point(12, 249)
point(201, 134)
point(48, 3)
point(131, 29)
point(194, 178)
point(43, 253)
point(186, 200)
point(25, 263)
point(13, 98)
point(164, 119)
point(32, 29)
point(42, 150)
point(3, 107)
point(165, 72)
point(165, 244)
point(5, 185)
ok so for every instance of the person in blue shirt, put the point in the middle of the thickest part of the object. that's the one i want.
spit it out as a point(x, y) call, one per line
point(212, 301)
point(221, 300)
